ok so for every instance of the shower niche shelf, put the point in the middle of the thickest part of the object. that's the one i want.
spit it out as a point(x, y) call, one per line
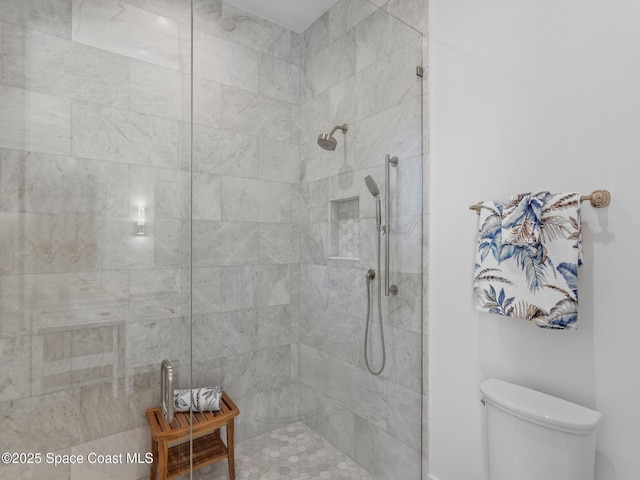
point(344, 228)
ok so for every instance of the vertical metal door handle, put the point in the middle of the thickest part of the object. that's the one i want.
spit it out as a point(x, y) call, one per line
point(166, 387)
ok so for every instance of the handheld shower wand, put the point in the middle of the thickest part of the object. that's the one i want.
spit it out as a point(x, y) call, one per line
point(375, 191)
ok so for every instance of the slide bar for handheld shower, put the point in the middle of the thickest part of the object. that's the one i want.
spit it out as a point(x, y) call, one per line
point(389, 160)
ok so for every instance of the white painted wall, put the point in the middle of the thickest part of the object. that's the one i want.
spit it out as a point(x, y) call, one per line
point(534, 95)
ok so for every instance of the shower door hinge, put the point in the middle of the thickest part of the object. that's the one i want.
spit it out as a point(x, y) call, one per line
point(419, 71)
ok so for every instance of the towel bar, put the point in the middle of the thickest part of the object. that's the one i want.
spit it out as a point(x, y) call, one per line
point(597, 199)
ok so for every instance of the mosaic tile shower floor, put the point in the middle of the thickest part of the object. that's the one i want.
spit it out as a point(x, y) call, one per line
point(294, 452)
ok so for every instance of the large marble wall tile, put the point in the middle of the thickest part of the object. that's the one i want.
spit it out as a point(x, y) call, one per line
point(55, 184)
point(207, 15)
point(329, 419)
point(404, 353)
point(221, 152)
point(247, 200)
point(314, 369)
point(145, 182)
point(341, 336)
point(330, 66)
point(249, 373)
point(273, 285)
point(314, 243)
point(155, 280)
point(404, 310)
point(321, 113)
point(254, 114)
point(177, 10)
point(404, 83)
point(314, 288)
point(224, 334)
point(244, 28)
point(315, 201)
point(319, 163)
point(124, 443)
point(404, 410)
point(378, 35)
point(278, 161)
point(124, 250)
point(150, 342)
point(103, 413)
point(15, 375)
point(52, 65)
point(404, 252)
point(119, 27)
point(359, 391)
point(207, 101)
point(216, 243)
point(110, 134)
point(225, 62)
point(50, 16)
point(414, 12)
point(12, 180)
point(389, 81)
point(41, 243)
point(34, 121)
point(278, 243)
point(406, 188)
point(383, 455)
point(32, 302)
point(156, 90)
point(347, 291)
point(279, 79)
point(167, 199)
point(278, 325)
point(401, 136)
point(39, 183)
point(255, 286)
point(205, 292)
point(168, 242)
point(207, 190)
point(116, 191)
point(266, 411)
point(35, 424)
point(334, 23)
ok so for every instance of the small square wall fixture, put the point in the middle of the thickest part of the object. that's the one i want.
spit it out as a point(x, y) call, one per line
point(344, 228)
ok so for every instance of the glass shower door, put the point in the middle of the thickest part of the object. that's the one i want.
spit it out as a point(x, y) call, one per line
point(95, 194)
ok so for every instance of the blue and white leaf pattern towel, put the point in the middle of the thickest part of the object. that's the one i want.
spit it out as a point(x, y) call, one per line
point(198, 399)
point(535, 281)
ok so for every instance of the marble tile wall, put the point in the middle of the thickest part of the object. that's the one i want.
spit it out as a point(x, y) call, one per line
point(359, 65)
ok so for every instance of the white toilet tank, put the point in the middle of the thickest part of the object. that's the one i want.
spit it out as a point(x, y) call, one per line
point(534, 436)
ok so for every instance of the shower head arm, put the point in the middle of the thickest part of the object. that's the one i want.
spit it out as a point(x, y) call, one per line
point(344, 129)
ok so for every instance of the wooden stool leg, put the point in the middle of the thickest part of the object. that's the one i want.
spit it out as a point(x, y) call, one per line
point(163, 460)
point(154, 465)
point(231, 458)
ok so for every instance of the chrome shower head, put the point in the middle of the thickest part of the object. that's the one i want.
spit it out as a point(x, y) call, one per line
point(326, 140)
point(372, 186)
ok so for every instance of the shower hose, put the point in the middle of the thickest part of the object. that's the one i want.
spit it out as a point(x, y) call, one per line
point(371, 274)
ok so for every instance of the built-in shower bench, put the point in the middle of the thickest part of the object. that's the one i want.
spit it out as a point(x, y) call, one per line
point(170, 442)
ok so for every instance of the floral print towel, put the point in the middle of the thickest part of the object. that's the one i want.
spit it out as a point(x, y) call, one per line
point(521, 218)
point(532, 281)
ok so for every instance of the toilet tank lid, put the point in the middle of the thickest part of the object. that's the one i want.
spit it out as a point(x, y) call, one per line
point(539, 407)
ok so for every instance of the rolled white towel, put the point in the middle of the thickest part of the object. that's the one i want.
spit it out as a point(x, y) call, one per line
point(201, 399)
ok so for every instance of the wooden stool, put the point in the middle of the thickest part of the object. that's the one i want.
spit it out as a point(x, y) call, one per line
point(208, 448)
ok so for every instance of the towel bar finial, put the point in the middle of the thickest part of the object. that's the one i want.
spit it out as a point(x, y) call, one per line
point(598, 198)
